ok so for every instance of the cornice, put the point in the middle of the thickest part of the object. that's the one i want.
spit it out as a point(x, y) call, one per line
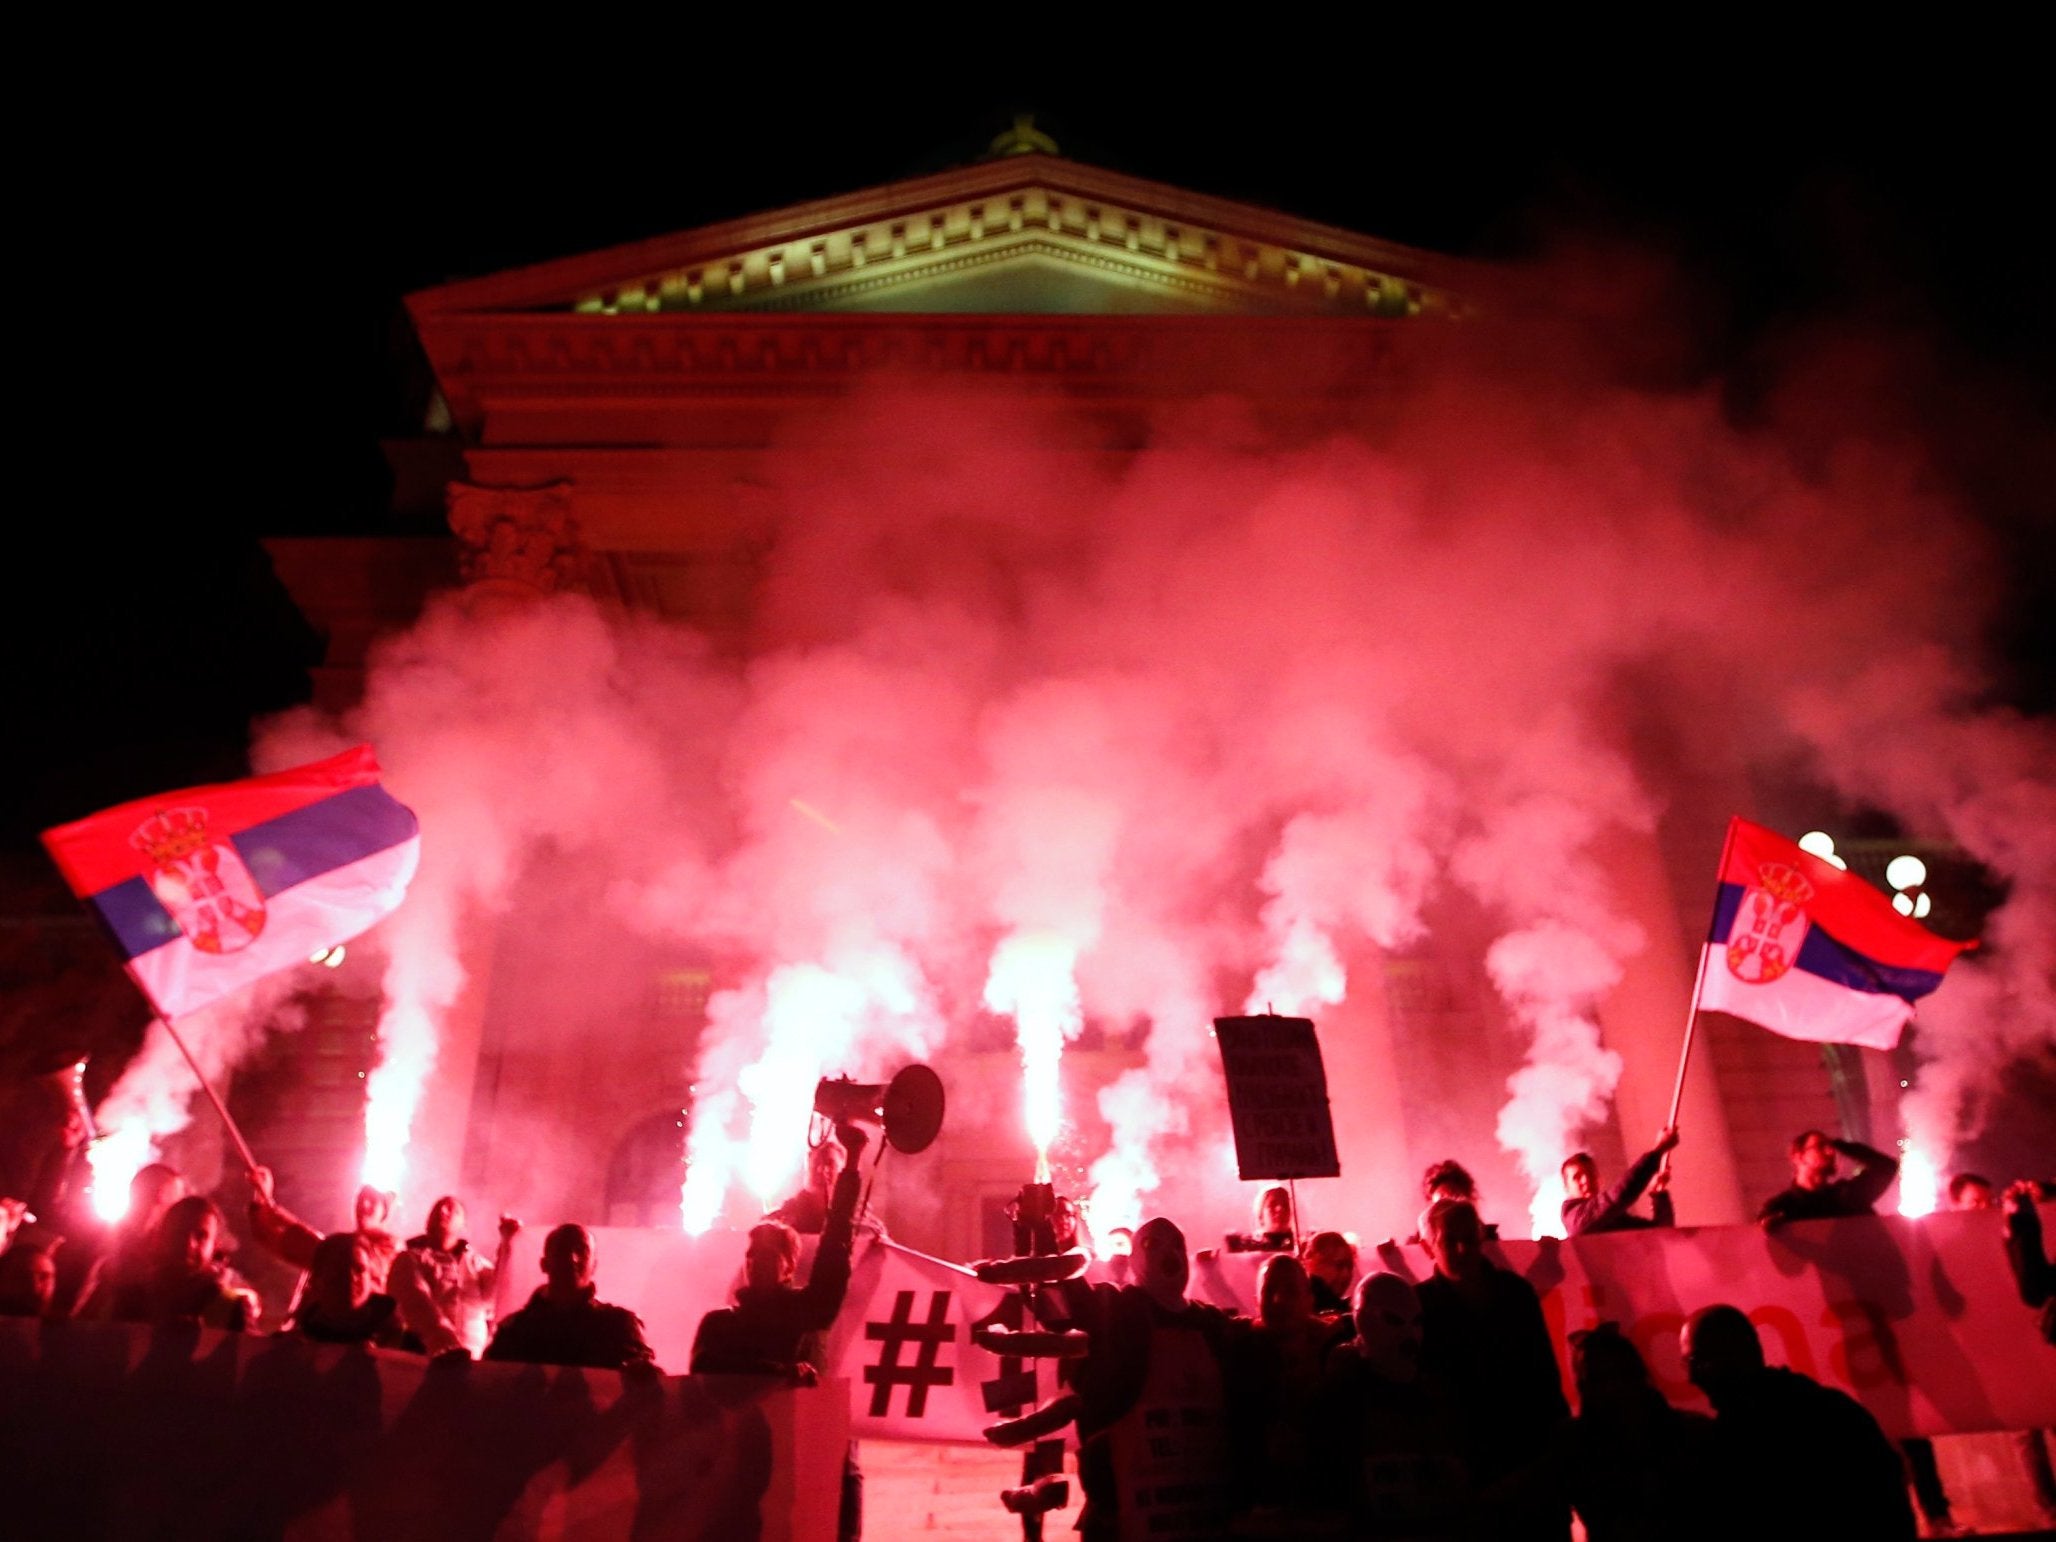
point(929, 214)
point(568, 356)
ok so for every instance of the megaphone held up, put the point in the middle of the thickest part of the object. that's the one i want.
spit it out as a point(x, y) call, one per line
point(908, 1108)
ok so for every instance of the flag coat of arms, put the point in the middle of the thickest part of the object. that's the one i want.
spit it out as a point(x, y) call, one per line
point(1811, 951)
point(209, 888)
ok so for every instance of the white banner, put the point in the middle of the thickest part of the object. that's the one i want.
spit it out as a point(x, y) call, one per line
point(904, 1345)
point(903, 1340)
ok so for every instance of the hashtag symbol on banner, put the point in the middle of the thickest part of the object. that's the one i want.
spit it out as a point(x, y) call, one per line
point(924, 1372)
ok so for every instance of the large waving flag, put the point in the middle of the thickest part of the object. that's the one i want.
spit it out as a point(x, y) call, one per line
point(209, 888)
point(1811, 951)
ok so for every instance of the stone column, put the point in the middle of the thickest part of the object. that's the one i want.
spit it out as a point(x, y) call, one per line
point(1643, 1020)
point(516, 547)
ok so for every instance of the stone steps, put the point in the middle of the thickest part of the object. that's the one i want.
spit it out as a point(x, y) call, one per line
point(929, 1492)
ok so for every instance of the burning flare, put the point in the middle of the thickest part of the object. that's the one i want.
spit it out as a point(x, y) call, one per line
point(1920, 1182)
point(1031, 981)
point(115, 1159)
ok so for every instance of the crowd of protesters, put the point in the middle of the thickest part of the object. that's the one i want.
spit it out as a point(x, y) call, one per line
point(1437, 1409)
point(166, 1261)
point(1346, 1405)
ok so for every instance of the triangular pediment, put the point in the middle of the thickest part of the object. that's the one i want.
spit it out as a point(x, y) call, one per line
point(1022, 235)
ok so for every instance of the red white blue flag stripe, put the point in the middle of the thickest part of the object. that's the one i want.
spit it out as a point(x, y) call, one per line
point(1812, 951)
point(209, 888)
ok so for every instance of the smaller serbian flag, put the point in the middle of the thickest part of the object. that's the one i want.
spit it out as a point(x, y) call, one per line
point(1811, 951)
point(209, 888)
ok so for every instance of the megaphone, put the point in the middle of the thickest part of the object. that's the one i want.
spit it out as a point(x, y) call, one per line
point(908, 1108)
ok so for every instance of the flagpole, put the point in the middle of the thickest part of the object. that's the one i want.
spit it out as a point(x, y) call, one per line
point(1698, 983)
point(234, 1134)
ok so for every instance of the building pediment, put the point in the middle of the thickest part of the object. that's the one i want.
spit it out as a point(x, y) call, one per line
point(1023, 235)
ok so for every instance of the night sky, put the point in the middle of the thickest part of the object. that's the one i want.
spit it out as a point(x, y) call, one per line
point(230, 285)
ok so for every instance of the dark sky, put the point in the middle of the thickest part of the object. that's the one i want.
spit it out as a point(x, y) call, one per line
point(228, 284)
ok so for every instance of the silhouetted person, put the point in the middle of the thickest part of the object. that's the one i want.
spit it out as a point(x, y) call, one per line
point(1450, 1179)
point(1590, 1209)
point(28, 1280)
point(1152, 1454)
point(1796, 1459)
point(1966, 1191)
point(1120, 1255)
point(1482, 1335)
point(2035, 1276)
point(1640, 1470)
point(445, 1290)
point(1387, 1439)
point(1972, 1191)
point(1816, 1194)
point(1069, 1229)
point(1330, 1260)
point(777, 1328)
point(131, 1251)
point(43, 1127)
point(341, 1304)
point(186, 1282)
point(2033, 1273)
point(291, 1240)
point(807, 1211)
point(1273, 1232)
point(1274, 1381)
point(565, 1322)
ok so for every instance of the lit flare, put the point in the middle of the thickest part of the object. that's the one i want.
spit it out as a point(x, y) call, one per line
point(115, 1159)
point(1031, 981)
point(1920, 1183)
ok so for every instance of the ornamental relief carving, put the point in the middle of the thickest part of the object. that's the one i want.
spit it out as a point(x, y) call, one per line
point(516, 540)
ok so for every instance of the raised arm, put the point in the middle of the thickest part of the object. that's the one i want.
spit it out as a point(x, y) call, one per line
point(829, 1279)
point(1610, 1204)
point(277, 1230)
point(2033, 1273)
point(1876, 1170)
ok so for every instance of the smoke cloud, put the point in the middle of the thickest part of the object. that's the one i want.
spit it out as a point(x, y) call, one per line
point(1076, 735)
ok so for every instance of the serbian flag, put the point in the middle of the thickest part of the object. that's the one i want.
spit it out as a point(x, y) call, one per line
point(1811, 951)
point(209, 888)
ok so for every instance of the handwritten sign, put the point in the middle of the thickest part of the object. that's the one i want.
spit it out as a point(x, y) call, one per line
point(1277, 1097)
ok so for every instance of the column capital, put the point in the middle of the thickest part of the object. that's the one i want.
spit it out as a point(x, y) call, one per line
point(516, 542)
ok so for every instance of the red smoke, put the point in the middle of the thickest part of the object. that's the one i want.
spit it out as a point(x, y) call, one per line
point(1233, 715)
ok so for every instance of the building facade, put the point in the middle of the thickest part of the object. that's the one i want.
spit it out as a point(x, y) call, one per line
point(606, 421)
